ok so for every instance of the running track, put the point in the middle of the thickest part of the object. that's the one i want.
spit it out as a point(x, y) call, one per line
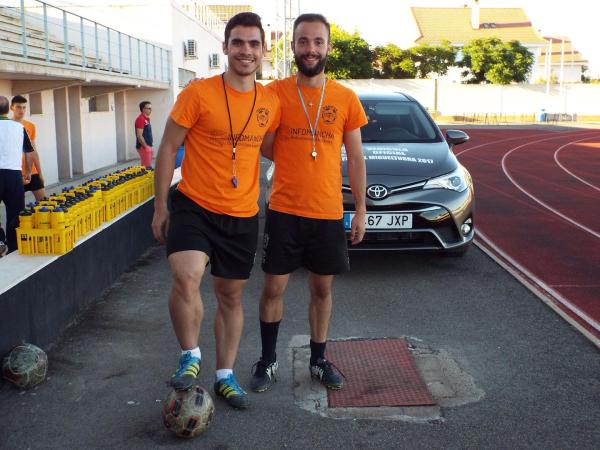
point(538, 212)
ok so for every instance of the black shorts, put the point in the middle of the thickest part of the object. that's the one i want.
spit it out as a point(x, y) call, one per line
point(230, 242)
point(290, 242)
point(35, 184)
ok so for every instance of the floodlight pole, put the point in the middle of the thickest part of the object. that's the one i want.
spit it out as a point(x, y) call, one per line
point(562, 63)
point(549, 67)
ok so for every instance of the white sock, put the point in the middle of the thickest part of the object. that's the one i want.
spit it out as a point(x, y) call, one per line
point(223, 373)
point(194, 351)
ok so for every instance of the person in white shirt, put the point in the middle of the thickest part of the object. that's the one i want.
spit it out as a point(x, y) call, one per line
point(14, 141)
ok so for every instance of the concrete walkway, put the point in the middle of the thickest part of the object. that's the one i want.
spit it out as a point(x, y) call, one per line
point(536, 377)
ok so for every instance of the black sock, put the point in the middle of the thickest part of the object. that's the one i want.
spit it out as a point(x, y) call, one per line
point(317, 350)
point(268, 336)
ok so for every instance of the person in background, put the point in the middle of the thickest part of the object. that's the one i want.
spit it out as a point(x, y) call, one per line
point(143, 134)
point(18, 106)
point(14, 141)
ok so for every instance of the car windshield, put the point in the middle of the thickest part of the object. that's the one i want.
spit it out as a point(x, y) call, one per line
point(397, 121)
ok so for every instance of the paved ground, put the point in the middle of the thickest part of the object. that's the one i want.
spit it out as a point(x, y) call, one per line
point(540, 378)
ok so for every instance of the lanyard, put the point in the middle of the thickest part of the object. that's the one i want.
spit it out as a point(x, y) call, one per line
point(234, 141)
point(313, 130)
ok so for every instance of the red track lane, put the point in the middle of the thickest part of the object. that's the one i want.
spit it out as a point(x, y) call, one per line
point(582, 160)
point(533, 168)
point(559, 257)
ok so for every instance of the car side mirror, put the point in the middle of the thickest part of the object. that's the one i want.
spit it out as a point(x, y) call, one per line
point(456, 137)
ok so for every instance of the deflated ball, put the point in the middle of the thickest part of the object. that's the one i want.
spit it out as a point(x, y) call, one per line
point(25, 366)
point(188, 413)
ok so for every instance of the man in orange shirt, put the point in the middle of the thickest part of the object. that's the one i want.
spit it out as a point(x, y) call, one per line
point(214, 217)
point(304, 226)
point(18, 106)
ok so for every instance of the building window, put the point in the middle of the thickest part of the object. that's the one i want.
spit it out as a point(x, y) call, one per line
point(185, 76)
point(35, 103)
point(98, 103)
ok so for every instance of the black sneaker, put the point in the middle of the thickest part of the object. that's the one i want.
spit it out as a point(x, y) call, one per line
point(324, 372)
point(263, 375)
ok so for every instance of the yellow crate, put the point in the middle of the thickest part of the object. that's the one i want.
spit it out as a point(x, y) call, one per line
point(45, 242)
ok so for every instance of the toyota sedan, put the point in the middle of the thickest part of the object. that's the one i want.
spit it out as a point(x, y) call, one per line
point(419, 197)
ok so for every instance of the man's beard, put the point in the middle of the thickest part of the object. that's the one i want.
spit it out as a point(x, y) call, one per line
point(310, 71)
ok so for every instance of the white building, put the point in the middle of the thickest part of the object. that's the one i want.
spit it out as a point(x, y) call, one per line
point(459, 26)
point(84, 71)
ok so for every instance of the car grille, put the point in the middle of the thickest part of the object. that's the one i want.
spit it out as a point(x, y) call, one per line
point(398, 240)
point(406, 207)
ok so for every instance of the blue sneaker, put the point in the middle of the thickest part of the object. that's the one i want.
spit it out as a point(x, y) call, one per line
point(189, 370)
point(230, 390)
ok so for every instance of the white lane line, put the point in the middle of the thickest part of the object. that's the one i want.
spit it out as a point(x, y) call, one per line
point(537, 200)
point(568, 171)
point(576, 285)
point(556, 295)
point(559, 133)
point(558, 298)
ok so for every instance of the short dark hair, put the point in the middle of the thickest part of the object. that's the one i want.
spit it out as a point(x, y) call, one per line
point(244, 19)
point(18, 100)
point(143, 105)
point(4, 105)
point(311, 17)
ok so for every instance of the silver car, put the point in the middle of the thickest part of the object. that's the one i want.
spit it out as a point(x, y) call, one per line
point(419, 197)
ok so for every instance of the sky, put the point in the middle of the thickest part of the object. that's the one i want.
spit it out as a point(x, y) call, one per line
point(384, 21)
point(390, 21)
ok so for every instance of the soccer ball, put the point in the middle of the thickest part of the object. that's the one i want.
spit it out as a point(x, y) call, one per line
point(188, 413)
point(25, 366)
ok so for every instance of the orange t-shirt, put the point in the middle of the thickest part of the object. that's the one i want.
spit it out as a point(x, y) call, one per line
point(30, 128)
point(303, 186)
point(207, 169)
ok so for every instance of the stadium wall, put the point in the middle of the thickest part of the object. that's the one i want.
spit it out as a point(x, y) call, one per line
point(41, 295)
point(449, 99)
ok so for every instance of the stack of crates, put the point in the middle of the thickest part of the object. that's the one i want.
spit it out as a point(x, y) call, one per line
point(51, 226)
point(45, 229)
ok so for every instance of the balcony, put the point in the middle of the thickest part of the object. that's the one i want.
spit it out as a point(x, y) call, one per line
point(34, 33)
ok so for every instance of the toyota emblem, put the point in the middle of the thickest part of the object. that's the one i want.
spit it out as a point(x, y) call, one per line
point(377, 192)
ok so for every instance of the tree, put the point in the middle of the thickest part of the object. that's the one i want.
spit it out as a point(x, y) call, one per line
point(432, 59)
point(417, 62)
point(351, 56)
point(491, 60)
point(393, 62)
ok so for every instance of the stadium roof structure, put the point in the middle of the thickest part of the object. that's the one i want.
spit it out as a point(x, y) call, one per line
point(456, 25)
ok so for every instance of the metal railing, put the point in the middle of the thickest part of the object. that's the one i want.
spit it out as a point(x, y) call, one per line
point(35, 30)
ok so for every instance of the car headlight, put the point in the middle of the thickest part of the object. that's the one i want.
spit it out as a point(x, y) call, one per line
point(455, 181)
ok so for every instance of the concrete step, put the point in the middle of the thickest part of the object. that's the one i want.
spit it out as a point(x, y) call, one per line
point(36, 48)
point(10, 28)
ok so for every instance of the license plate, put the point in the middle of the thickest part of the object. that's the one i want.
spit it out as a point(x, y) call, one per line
point(382, 220)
